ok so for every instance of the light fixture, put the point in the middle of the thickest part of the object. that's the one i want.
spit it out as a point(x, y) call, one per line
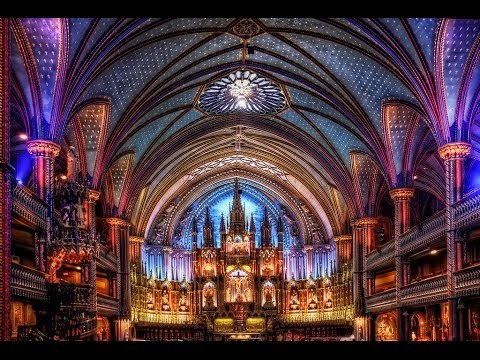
point(415, 177)
point(19, 182)
point(242, 91)
point(63, 177)
point(433, 252)
point(23, 136)
point(241, 102)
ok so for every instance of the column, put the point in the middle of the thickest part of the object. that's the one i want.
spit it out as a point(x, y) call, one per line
point(119, 235)
point(402, 198)
point(5, 185)
point(136, 249)
point(357, 280)
point(344, 249)
point(92, 197)
point(453, 155)
point(44, 153)
point(363, 238)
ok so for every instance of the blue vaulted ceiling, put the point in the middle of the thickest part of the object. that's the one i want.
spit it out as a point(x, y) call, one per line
point(336, 74)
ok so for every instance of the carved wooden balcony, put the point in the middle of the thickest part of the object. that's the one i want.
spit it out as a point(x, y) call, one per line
point(424, 234)
point(381, 256)
point(107, 305)
point(466, 211)
point(28, 283)
point(381, 301)
point(29, 207)
point(71, 296)
point(74, 238)
point(424, 291)
point(467, 281)
point(71, 237)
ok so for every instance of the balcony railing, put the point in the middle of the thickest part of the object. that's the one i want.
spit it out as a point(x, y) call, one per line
point(381, 256)
point(107, 303)
point(28, 283)
point(467, 281)
point(424, 234)
point(382, 300)
point(27, 205)
point(466, 211)
point(426, 290)
point(75, 237)
point(72, 295)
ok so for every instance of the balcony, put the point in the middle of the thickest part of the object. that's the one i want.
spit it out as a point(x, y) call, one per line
point(467, 281)
point(28, 283)
point(28, 206)
point(466, 210)
point(74, 238)
point(426, 290)
point(71, 296)
point(381, 301)
point(424, 234)
point(106, 304)
point(381, 256)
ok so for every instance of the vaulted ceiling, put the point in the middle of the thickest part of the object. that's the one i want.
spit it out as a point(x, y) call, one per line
point(364, 96)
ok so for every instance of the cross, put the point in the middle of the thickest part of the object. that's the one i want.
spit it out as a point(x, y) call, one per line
point(238, 276)
point(238, 139)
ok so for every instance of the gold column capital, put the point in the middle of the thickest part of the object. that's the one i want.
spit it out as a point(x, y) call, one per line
point(402, 194)
point(44, 148)
point(345, 237)
point(366, 221)
point(455, 150)
point(136, 239)
point(93, 195)
point(116, 221)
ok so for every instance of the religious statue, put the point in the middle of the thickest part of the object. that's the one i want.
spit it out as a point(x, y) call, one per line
point(149, 301)
point(183, 305)
point(268, 265)
point(294, 301)
point(165, 299)
point(312, 296)
point(328, 297)
point(386, 327)
point(238, 291)
point(445, 322)
point(208, 295)
point(475, 328)
point(268, 291)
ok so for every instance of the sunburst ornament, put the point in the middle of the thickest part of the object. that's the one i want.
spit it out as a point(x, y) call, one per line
point(242, 92)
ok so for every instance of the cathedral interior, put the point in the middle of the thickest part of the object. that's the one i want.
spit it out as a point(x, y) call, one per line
point(235, 179)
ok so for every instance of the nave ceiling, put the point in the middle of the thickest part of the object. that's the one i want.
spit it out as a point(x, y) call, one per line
point(368, 102)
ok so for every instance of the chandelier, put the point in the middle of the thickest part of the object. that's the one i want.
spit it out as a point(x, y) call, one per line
point(242, 92)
